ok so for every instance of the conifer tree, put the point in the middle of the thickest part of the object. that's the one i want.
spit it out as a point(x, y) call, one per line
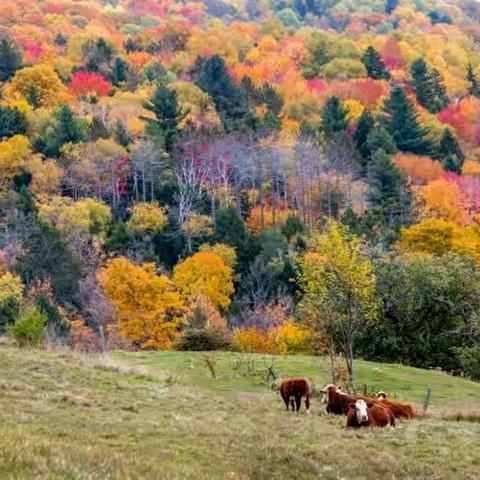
point(374, 65)
point(379, 138)
point(214, 79)
point(474, 86)
point(429, 87)
point(167, 116)
point(401, 121)
point(10, 59)
point(450, 152)
point(365, 126)
point(12, 122)
point(334, 120)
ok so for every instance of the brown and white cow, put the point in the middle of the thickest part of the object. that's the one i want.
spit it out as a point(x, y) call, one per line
point(399, 409)
point(371, 414)
point(293, 390)
point(337, 402)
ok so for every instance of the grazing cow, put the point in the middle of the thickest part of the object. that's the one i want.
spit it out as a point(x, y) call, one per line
point(371, 414)
point(399, 409)
point(293, 390)
point(337, 401)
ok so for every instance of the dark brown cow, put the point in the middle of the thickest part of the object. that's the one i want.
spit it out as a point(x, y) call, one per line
point(293, 390)
point(337, 401)
point(371, 414)
point(399, 409)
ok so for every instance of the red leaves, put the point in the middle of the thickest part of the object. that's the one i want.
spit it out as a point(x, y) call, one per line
point(84, 84)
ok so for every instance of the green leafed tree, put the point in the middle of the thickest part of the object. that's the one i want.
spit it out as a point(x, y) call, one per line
point(10, 59)
point(340, 298)
point(334, 120)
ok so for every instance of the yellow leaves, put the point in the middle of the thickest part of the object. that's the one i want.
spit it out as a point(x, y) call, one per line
point(292, 338)
point(13, 153)
point(39, 85)
point(207, 275)
point(225, 252)
point(46, 176)
point(271, 217)
point(471, 167)
point(443, 199)
point(149, 308)
point(438, 236)
point(354, 108)
point(11, 287)
point(147, 219)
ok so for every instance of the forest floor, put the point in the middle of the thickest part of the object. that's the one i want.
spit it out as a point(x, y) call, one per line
point(162, 415)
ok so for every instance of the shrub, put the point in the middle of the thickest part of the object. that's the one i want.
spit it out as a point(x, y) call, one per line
point(253, 340)
point(469, 358)
point(29, 329)
point(202, 339)
point(292, 338)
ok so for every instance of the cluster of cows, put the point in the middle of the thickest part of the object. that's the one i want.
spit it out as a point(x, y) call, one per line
point(361, 411)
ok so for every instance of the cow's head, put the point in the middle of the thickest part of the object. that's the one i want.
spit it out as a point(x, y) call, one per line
point(326, 393)
point(382, 396)
point(361, 411)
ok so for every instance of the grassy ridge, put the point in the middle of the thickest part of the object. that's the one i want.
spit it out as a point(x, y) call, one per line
point(64, 417)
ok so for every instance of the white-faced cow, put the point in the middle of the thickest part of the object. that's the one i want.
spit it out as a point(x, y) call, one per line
point(371, 414)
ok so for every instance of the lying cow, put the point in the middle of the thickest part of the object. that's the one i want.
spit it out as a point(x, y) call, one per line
point(371, 414)
point(399, 409)
point(293, 390)
point(337, 401)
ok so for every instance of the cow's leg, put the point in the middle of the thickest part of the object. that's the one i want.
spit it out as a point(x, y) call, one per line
point(307, 403)
point(298, 402)
point(287, 401)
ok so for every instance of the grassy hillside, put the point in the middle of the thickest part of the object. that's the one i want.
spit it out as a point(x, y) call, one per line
point(67, 417)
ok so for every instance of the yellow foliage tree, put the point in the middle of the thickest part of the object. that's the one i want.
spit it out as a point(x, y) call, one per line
point(149, 308)
point(147, 219)
point(11, 287)
point(39, 85)
point(46, 176)
point(225, 252)
point(13, 153)
point(205, 274)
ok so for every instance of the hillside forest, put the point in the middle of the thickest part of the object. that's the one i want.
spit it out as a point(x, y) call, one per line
point(274, 176)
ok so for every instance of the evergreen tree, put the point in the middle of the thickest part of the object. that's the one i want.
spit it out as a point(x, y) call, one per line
point(10, 59)
point(391, 5)
point(429, 87)
point(401, 121)
point(230, 103)
point(12, 122)
point(167, 116)
point(365, 126)
point(388, 189)
point(67, 129)
point(334, 120)
point(450, 153)
point(379, 138)
point(119, 71)
point(98, 129)
point(122, 136)
point(374, 64)
point(474, 86)
point(120, 238)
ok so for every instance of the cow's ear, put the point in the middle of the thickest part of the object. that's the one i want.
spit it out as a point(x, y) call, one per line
point(339, 387)
point(352, 406)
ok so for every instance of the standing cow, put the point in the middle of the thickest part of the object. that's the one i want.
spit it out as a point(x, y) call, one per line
point(371, 414)
point(293, 390)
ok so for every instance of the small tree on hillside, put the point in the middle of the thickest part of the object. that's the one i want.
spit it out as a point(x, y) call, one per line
point(474, 86)
point(340, 298)
point(374, 64)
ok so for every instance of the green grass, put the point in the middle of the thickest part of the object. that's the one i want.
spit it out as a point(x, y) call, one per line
point(160, 415)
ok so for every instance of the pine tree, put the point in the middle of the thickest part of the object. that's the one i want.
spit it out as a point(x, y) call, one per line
point(365, 126)
point(334, 120)
point(429, 87)
point(214, 79)
point(374, 64)
point(474, 86)
point(379, 138)
point(12, 122)
point(10, 59)
point(167, 116)
point(119, 71)
point(122, 136)
point(401, 121)
point(450, 153)
point(388, 190)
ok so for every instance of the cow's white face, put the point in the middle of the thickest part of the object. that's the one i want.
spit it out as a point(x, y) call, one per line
point(361, 411)
point(325, 396)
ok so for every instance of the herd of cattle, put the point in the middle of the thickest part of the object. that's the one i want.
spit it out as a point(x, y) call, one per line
point(361, 411)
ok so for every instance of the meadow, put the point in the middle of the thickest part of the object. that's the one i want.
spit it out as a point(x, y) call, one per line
point(162, 415)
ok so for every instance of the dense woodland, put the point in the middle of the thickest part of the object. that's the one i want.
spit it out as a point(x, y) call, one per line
point(277, 176)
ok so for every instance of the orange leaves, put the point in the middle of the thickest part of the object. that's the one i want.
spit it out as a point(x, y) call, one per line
point(149, 308)
point(260, 219)
point(420, 170)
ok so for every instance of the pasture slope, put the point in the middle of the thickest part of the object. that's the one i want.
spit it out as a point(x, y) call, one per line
point(161, 416)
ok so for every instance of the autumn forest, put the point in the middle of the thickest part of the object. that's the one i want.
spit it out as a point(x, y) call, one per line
point(271, 176)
